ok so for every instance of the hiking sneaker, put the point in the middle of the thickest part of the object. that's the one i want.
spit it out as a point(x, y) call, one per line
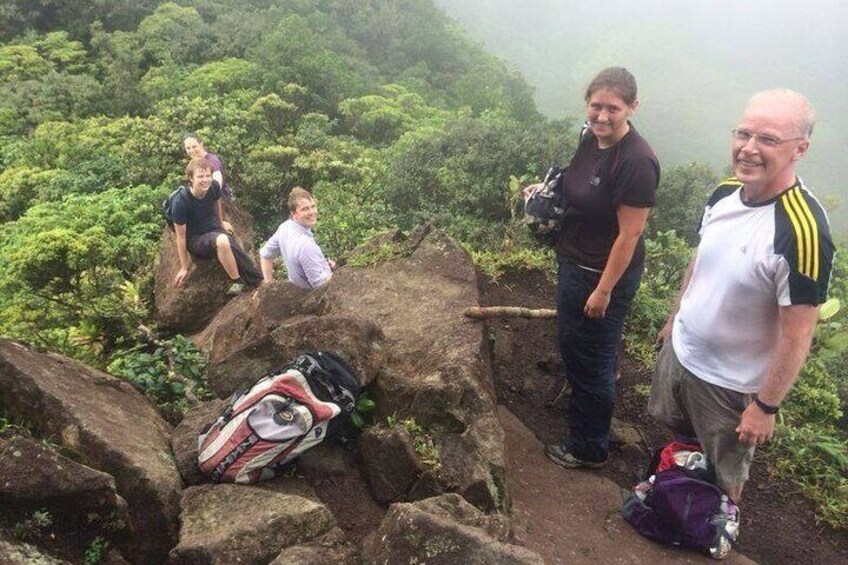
point(727, 530)
point(564, 458)
point(236, 288)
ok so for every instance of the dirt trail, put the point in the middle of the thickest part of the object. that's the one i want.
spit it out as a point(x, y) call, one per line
point(571, 516)
point(778, 523)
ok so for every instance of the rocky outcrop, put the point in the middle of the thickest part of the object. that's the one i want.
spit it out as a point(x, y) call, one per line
point(393, 468)
point(225, 523)
point(107, 425)
point(396, 317)
point(332, 547)
point(443, 530)
point(357, 340)
point(79, 499)
point(436, 369)
point(250, 316)
point(188, 308)
point(13, 552)
point(395, 314)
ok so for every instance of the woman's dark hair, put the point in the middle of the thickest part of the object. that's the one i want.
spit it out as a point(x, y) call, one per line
point(192, 135)
point(614, 78)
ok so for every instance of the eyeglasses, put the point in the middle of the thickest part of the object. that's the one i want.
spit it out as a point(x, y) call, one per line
point(744, 136)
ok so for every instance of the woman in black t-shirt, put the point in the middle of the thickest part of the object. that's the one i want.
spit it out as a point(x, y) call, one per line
point(610, 187)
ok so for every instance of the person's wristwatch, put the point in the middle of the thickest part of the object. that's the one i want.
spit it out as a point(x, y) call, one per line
point(767, 408)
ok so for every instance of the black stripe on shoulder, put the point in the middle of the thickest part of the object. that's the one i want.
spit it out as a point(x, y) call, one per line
point(723, 190)
point(802, 236)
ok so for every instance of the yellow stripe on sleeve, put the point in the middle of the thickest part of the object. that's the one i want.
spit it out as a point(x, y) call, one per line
point(814, 234)
point(806, 232)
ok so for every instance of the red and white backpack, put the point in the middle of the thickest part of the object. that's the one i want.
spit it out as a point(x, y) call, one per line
point(282, 415)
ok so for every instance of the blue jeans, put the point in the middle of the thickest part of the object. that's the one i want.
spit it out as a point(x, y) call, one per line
point(589, 349)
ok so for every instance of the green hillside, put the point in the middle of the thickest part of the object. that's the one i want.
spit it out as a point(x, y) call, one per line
point(384, 108)
point(696, 64)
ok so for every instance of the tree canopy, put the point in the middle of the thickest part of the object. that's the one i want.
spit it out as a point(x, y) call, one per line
point(383, 108)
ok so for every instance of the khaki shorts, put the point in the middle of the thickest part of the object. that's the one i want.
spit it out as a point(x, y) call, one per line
point(687, 403)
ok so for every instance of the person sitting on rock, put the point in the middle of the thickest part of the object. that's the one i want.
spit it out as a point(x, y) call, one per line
point(195, 150)
point(294, 241)
point(200, 229)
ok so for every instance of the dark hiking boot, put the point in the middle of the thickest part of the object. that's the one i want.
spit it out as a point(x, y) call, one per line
point(564, 458)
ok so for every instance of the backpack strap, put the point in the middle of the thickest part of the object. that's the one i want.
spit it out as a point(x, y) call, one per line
point(310, 367)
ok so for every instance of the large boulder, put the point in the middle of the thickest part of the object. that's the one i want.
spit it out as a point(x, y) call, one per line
point(226, 523)
point(357, 340)
point(188, 308)
point(394, 468)
point(333, 547)
point(107, 425)
point(443, 530)
point(437, 368)
point(82, 501)
point(252, 315)
point(15, 552)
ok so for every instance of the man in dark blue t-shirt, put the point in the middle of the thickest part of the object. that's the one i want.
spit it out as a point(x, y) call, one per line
point(201, 230)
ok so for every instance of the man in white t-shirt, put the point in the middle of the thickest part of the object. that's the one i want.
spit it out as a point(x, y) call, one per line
point(305, 263)
point(749, 300)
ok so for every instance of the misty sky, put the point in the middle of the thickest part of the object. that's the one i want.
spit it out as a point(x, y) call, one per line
point(696, 62)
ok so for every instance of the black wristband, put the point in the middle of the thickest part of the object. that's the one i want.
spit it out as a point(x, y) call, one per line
point(767, 408)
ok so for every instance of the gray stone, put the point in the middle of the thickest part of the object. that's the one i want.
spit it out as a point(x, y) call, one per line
point(14, 552)
point(108, 426)
point(33, 476)
point(226, 523)
point(442, 530)
point(332, 547)
point(251, 315)
point(624, 433)
point(356, 340)
point(389, 463)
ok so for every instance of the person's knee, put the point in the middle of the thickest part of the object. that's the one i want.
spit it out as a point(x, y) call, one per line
point(222, 242)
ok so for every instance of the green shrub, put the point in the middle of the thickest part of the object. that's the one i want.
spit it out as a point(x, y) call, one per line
point(156, 370)
point(817, 460)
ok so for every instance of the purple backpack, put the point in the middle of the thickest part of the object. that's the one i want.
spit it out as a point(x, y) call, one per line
point(682, 507)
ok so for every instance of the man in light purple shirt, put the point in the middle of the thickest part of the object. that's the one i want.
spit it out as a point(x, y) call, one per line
point(294, 241)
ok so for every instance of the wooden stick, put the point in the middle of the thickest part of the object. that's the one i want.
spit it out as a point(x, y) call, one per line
point(486, 312)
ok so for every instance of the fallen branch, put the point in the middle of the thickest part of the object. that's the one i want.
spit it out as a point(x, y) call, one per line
point(486, 312)
point(172, 363)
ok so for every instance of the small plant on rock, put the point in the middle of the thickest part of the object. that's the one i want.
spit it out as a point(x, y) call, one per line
point(364, 405)
point(33, 526)
point(422, 441)
point(95, 551)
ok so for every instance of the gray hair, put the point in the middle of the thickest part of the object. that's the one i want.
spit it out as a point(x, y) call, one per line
point(805, 113)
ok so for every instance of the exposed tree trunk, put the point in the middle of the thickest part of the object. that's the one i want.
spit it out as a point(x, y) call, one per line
point(485, 312)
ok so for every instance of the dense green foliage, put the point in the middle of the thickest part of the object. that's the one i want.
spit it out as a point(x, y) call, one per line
point(381, 107)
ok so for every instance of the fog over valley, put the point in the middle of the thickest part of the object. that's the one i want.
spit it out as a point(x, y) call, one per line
point(696, 63)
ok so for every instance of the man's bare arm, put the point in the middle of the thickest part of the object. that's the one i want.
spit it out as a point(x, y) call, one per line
point(797, 325)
